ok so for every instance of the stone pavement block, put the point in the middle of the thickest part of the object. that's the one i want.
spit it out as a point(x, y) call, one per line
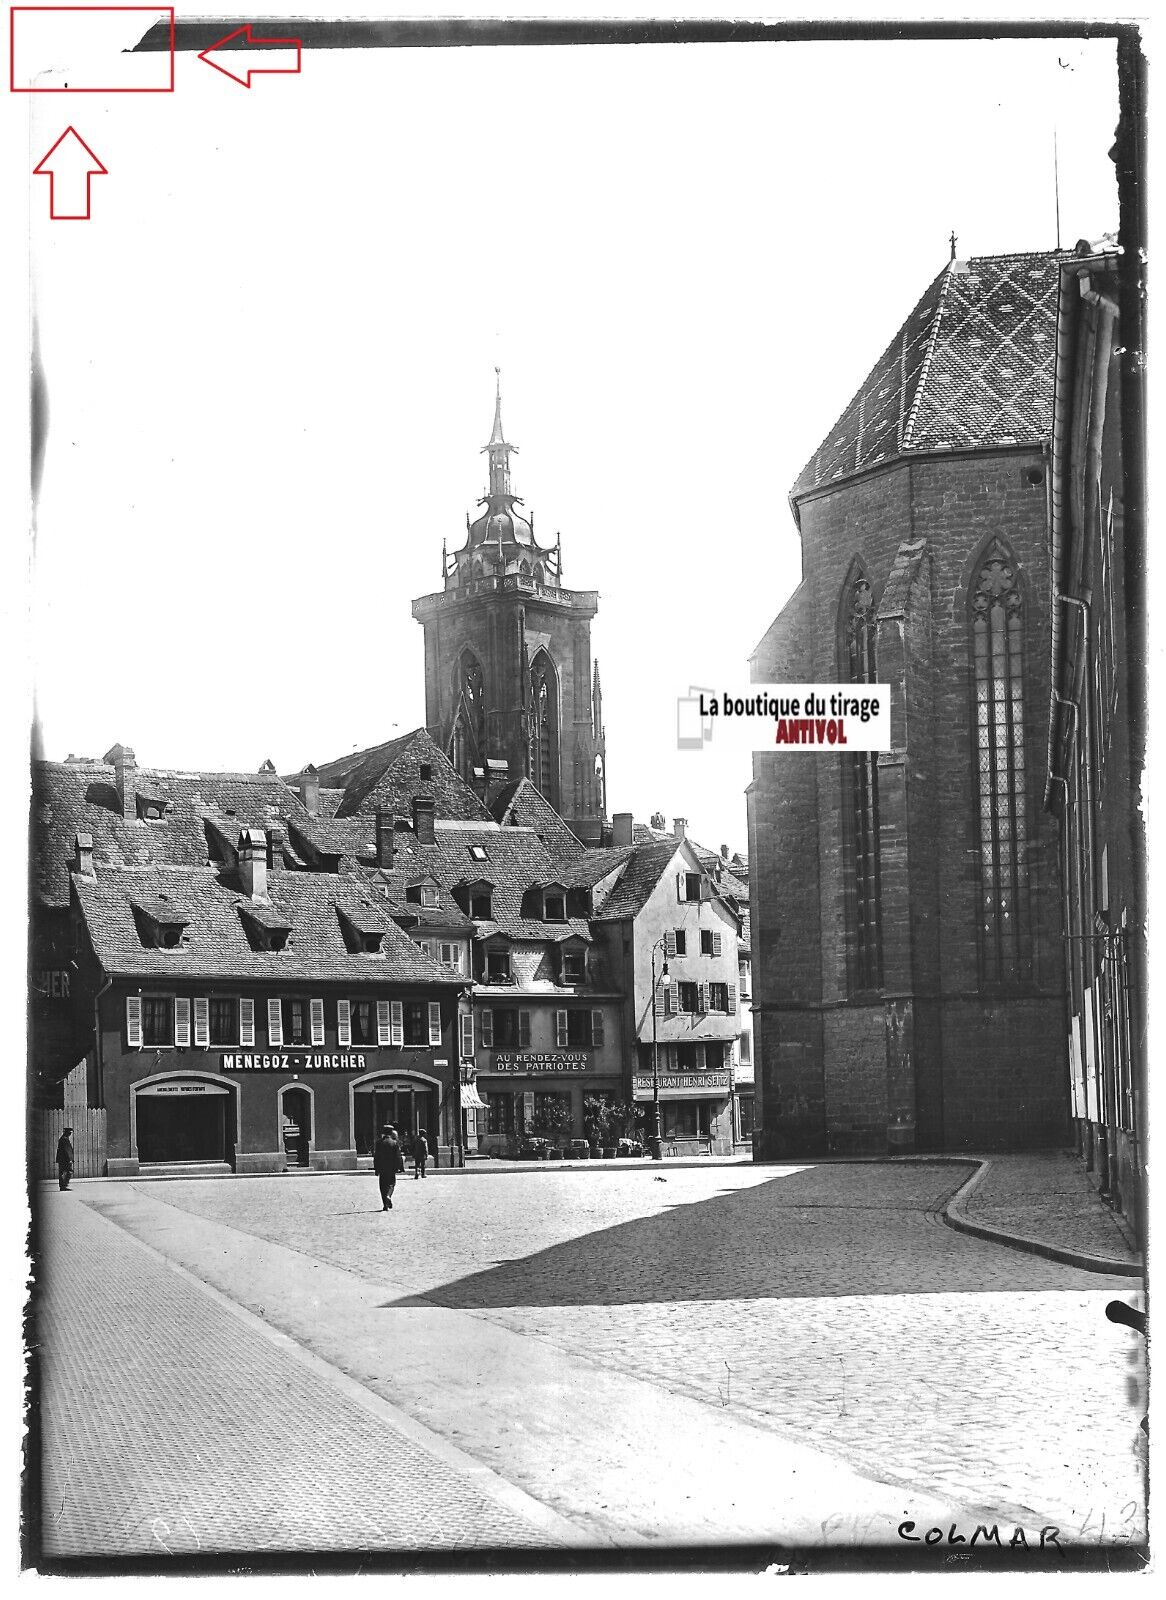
point(1046, 1195)
point(169, 1426)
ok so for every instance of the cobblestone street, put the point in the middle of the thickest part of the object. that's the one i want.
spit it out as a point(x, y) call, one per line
point(817, 1356)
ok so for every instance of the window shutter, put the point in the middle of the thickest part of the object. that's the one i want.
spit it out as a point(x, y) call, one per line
point(597, 1028)
point(274, 1022)
point(658, 1000)
point(427, 946)
point(668, 1000)
point(467, 1024)
point(435, 1022)
point(202, 1024)
point(487, 1028)
point(396, 1023)
point(560, 1029)
point(524, 1030)
point(384, 1023)
point(680, 890)
point(134, 1021)
point(731, 991)
point(317, 1022)
point(246, 1021)
point(670, 942)
point(701, 1058)
point(343, 1022)
point(703, 1001)
point(716, 944)
point(182, 1023)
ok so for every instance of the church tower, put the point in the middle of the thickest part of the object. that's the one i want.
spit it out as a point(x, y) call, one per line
point(510, 691)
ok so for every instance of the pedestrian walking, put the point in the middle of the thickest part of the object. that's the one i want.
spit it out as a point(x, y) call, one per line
point(387, 1161)
point(65, 1158)
point(420, 1153)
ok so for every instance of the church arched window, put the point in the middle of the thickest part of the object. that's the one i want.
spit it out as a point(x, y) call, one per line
point(860, 781)
point(996, 624)
point(544, 728)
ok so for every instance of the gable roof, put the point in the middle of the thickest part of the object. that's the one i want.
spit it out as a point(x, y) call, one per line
point(388, 776)
point(216, 946)
point(74, 797)
point(517, 860)
point(971, 368)
point(523, 805)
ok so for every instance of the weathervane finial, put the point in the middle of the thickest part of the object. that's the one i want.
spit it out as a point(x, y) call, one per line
point(953, 244)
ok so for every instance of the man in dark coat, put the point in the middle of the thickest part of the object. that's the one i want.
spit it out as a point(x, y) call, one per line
point(65, 1158)
point(387, 1161)
point(420, 1153)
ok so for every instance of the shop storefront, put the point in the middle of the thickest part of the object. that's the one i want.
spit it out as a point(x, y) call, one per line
point(696, 1110)
point(538, 1093)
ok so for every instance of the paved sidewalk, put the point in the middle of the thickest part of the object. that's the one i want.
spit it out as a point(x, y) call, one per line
point(1044, 1200)
point(173, 1422)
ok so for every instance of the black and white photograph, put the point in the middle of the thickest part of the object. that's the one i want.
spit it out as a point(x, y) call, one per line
point(579, 615)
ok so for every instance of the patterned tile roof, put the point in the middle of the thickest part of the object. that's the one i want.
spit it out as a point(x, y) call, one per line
point(971, 368)
point(645, 866)
point(215, 943)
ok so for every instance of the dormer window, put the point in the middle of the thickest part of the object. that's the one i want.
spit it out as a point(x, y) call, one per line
point(574, 966)
point(363, 930)
point(498, 966)
point(429, 896)
point(554, 906)
point(266, 928)
point(152, 807)
point(480, 906)
point(424, 892)
point(159, 923)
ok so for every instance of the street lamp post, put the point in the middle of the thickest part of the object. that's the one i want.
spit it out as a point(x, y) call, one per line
point(654, 1144)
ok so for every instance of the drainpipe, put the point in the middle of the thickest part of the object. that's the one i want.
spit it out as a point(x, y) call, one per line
point(99, 1053)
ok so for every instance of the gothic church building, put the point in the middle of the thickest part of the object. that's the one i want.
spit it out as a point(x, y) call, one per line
point(907, 953)
point(509, 687)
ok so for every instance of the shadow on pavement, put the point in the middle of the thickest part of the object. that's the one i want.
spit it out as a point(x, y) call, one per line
point(806, 1234)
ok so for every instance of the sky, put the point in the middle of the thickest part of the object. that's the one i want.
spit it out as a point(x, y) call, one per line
point(270, 355)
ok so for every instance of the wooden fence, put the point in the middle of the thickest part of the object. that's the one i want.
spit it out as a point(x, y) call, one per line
point(88, 1125)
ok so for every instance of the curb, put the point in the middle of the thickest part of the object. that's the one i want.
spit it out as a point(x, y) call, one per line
point(954, 1215)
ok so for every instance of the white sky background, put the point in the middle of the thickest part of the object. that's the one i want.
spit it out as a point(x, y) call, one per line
point(270, 361)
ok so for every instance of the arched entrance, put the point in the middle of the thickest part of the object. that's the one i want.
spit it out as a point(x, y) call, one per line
point(296, 1115)
point(182, 1117)
point(406, 1100)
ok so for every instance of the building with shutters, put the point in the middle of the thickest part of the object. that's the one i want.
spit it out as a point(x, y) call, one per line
point(510, 688)
point(1097, 726)
point(657, 903)
point(906, 909)
point(256, 1020)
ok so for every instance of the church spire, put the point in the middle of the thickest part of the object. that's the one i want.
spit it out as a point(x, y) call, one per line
point(497, 449)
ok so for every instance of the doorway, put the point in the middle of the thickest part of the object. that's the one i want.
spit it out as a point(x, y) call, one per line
point(406, 1106)
point(296, 1120)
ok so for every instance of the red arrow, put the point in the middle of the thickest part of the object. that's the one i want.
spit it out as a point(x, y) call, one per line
point(70, 166)
point(246, 35)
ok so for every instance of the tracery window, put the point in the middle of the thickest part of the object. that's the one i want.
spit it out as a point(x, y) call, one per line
point(997, 639)
point(861, 784)
point(544, 729)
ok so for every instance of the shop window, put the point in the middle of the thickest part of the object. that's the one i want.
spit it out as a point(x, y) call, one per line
point(746, 1116)
point(157, 1020)
point(684, 1119)
point(221, 1019)
point(499, 1113)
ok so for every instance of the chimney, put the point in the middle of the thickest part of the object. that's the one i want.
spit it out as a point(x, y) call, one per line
point(423, 811)
point(252, 852)
point(276, 839)
point(724, 852)
point(308, 784)
point(680, 826)
point(386, 844)
point(125, 776)
point(84, 843)
point(621, 828)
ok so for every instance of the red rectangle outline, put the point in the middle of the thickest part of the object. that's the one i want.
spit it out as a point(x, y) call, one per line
point(152, 10)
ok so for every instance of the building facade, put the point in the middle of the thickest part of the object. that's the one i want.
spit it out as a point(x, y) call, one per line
point(1096, 748)
point(907, 967)
point(510, 690)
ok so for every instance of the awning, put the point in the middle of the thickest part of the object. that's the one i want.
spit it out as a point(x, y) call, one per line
point(471, 1101)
